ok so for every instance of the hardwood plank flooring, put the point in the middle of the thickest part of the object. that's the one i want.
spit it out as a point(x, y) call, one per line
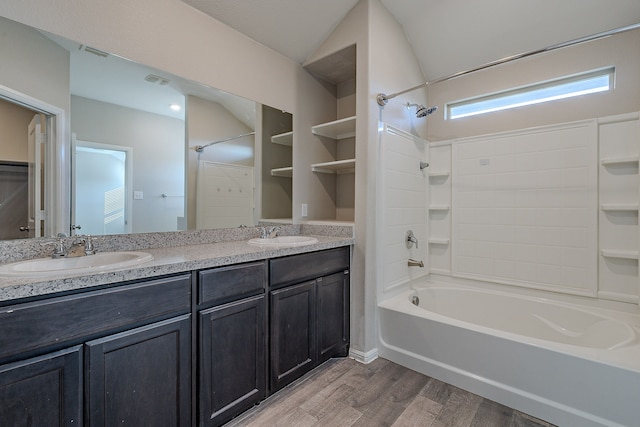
point(345, 393)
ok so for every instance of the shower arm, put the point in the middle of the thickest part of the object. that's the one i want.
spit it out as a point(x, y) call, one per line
point(382, 98)
point(200, 148)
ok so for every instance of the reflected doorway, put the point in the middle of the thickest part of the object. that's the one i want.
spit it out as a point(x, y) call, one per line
point(24, 149)
point(102, 183)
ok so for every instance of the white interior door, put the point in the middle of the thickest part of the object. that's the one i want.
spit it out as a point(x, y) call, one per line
point(102, 183)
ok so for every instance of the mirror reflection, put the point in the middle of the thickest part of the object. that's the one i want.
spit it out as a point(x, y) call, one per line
point(133, 133)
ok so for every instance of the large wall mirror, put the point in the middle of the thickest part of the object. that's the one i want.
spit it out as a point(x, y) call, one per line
point(149, 151)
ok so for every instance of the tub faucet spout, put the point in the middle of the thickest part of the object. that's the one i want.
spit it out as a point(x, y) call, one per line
point(414, 263)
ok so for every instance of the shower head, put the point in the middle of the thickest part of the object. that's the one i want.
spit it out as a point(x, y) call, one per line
point(421, 110)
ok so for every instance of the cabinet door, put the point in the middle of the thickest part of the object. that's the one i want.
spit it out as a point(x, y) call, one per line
point(232, 359)
point(141, 377)
point(42, 391)
point(293, 333)
point(333, 315)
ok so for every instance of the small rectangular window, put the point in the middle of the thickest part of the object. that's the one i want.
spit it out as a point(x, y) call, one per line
point(565, 87)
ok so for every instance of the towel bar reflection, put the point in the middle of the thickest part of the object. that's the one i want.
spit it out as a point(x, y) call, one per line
point(165, 195)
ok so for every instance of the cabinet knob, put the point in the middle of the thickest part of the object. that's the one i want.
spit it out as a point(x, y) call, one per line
point(346, 272)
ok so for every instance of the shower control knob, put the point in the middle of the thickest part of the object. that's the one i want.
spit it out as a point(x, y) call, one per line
point(411, 239)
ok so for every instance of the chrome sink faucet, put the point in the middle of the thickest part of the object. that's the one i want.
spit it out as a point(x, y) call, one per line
point(269, 233)
point(81, 246)
point(59, 251)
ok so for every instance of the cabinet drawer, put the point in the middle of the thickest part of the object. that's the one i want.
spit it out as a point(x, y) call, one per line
point(297, 268)
point(233, 282)
point(30, 326)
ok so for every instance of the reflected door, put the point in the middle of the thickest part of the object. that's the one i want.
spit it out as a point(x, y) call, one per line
point(101, 186)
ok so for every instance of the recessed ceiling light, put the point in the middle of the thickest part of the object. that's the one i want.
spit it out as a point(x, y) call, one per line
point(152, 78)
point(175, 107)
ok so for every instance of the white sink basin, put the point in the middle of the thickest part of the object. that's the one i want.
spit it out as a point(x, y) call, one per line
point(102, 261)
point(285, 241)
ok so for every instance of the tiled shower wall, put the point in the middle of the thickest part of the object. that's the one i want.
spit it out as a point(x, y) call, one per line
point(402, 200)
point(553, 208)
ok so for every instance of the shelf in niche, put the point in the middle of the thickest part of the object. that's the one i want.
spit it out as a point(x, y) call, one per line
point(438, 174)
point(331, 222)
point(439, 207)
point(620, 207)
point(336, 167)
point(338, 129)
point(610, 161)
point(283, 139)
point(616, 253)
point(284, 172)
point(264, 221)
point(436, 241)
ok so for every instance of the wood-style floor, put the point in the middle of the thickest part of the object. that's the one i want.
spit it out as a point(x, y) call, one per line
point(343, 392)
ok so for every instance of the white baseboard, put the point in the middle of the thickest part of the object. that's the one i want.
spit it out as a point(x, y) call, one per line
point(363, 357)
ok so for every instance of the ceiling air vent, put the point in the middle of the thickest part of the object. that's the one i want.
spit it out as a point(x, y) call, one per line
point(94, 51)
point(152, 78)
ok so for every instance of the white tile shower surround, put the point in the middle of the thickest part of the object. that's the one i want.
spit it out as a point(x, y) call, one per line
point(523, 208)
point(439, 223)
point(402, 200)
point(618, 191)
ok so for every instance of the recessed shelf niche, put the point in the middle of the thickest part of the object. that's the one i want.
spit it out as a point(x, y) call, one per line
point(334, 141)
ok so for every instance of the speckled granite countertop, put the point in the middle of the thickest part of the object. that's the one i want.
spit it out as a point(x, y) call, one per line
point(168, 260)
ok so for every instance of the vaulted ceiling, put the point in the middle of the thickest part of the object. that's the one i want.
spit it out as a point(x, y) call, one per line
point(447, 36)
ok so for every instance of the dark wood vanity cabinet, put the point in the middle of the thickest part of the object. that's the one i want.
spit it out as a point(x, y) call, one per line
point(141, 377)
point(231, 341)
point(127, 353)
point(42, 391)
point(309, 309)
point(119, 355)
point(293, 333)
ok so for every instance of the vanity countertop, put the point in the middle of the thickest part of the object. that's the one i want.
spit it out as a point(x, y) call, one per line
point(169, 260)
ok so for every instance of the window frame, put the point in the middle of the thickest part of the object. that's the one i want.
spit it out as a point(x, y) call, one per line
point(555, 83)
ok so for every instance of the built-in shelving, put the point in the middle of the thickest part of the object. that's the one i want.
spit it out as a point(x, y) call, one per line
point(338, 166)
point(332, 139)
point(286, 172)
point(619, 196)
point(337, 129)
point(283, 139)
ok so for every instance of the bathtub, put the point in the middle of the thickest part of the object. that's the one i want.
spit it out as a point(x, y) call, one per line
point(564, 363)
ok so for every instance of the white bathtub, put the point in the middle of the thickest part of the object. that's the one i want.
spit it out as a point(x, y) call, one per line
point(566, 364)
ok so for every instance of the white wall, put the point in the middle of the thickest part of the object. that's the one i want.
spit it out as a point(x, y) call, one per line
point(35, 67)
point(384, 63)
point(171, 36)
point(158, 156)
point(47, 63)
point(620, 50)
point(14, 124)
